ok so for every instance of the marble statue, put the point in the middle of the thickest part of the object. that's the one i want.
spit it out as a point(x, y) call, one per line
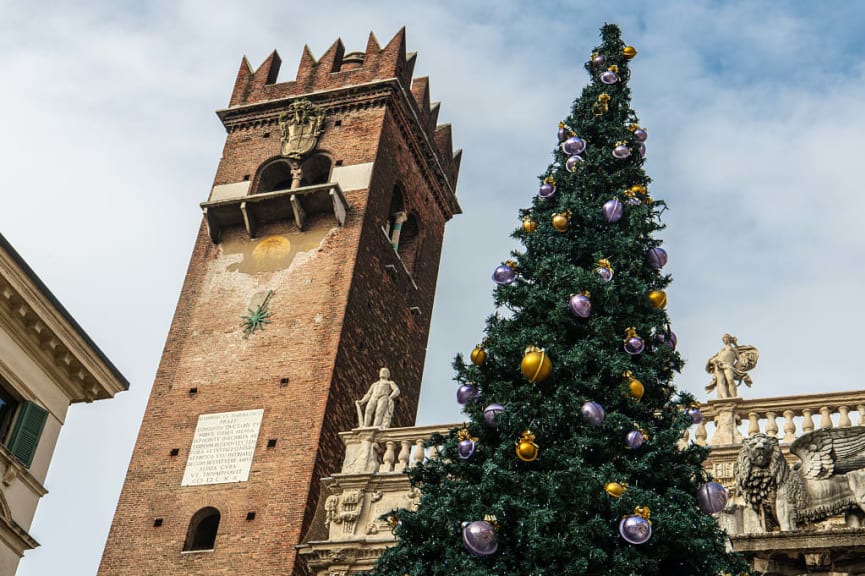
point(730, 366)
point(378, 402)
point(829, 481)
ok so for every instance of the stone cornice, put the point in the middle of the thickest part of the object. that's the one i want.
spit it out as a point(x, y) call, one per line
point(35, 318)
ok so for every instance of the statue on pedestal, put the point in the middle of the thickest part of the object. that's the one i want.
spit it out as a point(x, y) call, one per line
point(379, 402)
point(730, 366)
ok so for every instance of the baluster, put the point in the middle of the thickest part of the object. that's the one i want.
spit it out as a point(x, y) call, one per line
point(789, 426)
point(825, 417)
point(807, 420)
point(753, 423)
point(771, 424)
point(860, 408)
point(402, 458)
point(701, 434)
point(433, 452)
point(417, 454)
point(684, 440)
point(389, 457)
point(844, 419)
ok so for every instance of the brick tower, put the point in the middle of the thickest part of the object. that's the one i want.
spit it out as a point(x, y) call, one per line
point(315, 266)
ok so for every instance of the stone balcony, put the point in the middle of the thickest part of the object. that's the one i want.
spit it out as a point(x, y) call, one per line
point(348, 535)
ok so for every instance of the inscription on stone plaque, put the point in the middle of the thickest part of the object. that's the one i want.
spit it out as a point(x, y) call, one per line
point(222, 448)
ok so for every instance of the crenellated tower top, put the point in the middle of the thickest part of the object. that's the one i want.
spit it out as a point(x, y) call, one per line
point(340, 72)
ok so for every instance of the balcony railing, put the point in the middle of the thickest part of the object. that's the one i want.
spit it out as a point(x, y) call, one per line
point(727, 421)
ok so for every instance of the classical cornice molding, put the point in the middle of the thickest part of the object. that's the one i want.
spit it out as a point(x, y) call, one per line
point(37, 321)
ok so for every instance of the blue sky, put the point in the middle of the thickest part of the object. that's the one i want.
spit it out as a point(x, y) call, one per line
point(754, 111)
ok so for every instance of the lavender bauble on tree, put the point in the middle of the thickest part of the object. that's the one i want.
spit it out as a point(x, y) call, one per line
point(551, 436)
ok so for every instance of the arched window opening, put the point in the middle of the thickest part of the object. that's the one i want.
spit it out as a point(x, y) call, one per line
point(203, 526)
point(275, 176)
point(315, 170)
point(409, 241)
point(395, 211)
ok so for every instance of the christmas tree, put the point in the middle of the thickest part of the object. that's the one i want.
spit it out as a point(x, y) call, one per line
point(570, 463)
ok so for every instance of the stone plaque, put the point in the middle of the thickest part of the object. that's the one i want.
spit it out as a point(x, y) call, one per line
point(222, 448)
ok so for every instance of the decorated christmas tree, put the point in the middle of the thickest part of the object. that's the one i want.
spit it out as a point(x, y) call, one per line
point(571, 459)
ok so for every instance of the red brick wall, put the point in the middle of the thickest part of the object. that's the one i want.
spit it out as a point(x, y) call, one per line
point(338, 315)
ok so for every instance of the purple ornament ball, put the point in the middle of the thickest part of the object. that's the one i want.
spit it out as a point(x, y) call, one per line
point(491, 414)
point(640, 135)
point(668, 338)
point(621, 152)
point(635, 439)
point(642, 150)
point(599, 60)
point(613, 210)
point(573, 162)
point(634, 345)
point(466, 393)
point(580, 305)
point(562, 133)
point(466, 448)
point(606, 274)
point(546, 191)
point(573, 145)
point(593, 413)
point(480, 538)
point(657, 258)
point(635, 529)
point(504, 275)
point(712, 497)
point(609, 77)
point(694, 414)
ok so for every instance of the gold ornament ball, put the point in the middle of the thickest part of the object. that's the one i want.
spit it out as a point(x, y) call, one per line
point(478, 355)
point(526, 448)
point(636, 388)
point(629, 52)
point(658, 298)
point(536, 365)
point(615, 489)
point(560, 222)
point(529, 225)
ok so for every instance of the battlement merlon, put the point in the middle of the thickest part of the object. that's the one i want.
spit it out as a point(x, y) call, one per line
point(256, 90)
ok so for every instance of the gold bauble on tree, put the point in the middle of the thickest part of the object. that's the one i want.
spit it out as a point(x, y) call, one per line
point(529, 224)
point(615, 489)
point(536, 365)
point(629, 52)
point(658, 298)
point(635, 387)
point(478, 355)
point(561, 220)
point(526, 448)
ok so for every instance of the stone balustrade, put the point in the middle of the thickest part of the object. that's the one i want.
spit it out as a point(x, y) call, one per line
point(786, 417)
point(349, 531)
point(388, 450)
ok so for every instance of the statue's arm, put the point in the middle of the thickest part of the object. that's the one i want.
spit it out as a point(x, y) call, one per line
point(365, 398)
point(394, 390)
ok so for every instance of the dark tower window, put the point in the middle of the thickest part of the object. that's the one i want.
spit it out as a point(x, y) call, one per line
point(201, 534)
point(316, 170)
point(275, 176)
point(409, 240)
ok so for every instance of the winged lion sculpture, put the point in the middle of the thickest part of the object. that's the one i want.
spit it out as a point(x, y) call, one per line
point(828, 481)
